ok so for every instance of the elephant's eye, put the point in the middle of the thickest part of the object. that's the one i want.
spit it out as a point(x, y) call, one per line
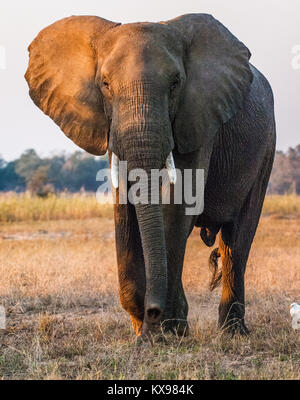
point(106, 84)
point(175, 83)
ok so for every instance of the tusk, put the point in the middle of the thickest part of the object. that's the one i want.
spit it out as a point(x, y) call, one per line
point(115, 171)
point(170, 165)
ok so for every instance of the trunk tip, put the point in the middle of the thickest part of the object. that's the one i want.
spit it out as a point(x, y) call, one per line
point(153, 313)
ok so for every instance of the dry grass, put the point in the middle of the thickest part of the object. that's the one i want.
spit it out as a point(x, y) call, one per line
point(59, 286)
point(282, 205)
point(24, 207)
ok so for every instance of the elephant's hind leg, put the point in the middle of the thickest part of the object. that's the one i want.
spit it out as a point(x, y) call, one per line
point(234, 247)
point(232, 305)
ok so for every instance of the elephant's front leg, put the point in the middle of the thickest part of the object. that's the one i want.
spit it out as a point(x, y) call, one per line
point(177, 230)
point(131, 268)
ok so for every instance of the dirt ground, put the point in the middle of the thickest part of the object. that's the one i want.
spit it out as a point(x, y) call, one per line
point(64, 321)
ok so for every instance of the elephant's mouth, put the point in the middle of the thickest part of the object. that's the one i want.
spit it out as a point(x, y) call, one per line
point(169, 165)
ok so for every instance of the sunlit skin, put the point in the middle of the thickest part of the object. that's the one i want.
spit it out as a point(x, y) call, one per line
point(147, 91)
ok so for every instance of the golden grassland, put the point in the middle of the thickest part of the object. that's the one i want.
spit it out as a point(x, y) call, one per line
point(24, 207)
point(64, 321)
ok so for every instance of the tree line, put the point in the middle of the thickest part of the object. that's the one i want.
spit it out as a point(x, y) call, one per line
point(42, 176)
point(77, 171)
point(285, 176)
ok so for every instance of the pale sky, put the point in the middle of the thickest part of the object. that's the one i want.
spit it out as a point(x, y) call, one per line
point(269, 28)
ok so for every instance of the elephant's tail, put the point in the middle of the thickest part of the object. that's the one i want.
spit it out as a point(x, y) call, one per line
point(213, 266)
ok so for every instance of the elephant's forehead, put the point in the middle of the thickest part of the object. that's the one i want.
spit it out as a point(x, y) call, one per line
point(141, 48)
point(151, 28)
point(146, 35)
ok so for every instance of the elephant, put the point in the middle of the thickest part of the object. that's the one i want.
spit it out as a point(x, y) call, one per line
point(182, 91)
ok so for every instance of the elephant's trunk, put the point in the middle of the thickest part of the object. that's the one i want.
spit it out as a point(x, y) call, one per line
point(141, 135)
point(150, 222)
point(170, 166)
point(150, 219)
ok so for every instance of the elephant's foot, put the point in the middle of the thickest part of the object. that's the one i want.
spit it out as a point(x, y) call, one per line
point(159, 334)
point(175, 318)
point(234, 325)
point(150, 338)
point(176, 322)
point(231, 318)
point(241, 329)
point(178, 327)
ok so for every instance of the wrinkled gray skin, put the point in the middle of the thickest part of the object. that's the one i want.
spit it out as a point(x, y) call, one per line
point(142, 90)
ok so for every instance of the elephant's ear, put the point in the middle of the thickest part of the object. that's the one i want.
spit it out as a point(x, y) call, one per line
point(61, 77)
point(218, 78)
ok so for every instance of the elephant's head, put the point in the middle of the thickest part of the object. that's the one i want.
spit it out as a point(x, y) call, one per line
point(140, 90)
